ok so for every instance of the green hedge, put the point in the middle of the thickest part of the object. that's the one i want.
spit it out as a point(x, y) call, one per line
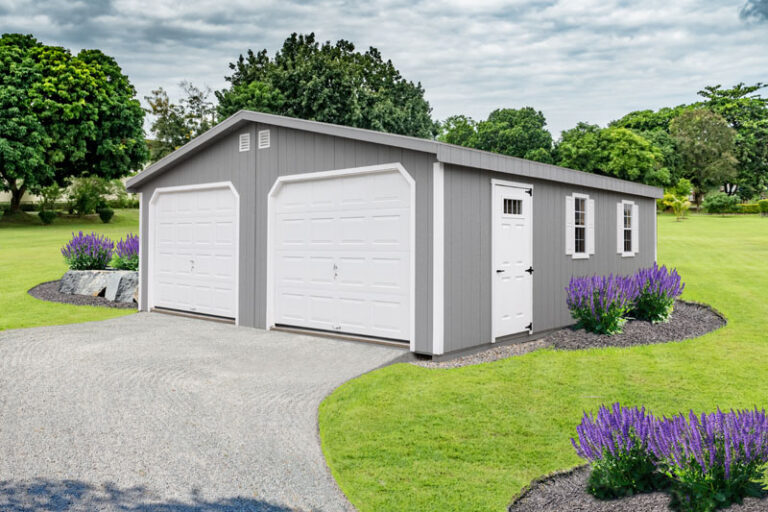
point(749, 208)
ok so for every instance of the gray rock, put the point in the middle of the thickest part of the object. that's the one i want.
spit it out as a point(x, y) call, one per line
point(84, 282)
point(114, 285)
point(127, 287)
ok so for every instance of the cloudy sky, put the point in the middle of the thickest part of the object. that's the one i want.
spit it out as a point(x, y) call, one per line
point(576, 60)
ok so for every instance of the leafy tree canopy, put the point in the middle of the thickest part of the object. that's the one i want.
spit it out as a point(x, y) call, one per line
point(509, 131)
point(706, 144)
point(63, 116)
point(612, 151)
point(175, 124)
point(747, 113)
point(329, 82)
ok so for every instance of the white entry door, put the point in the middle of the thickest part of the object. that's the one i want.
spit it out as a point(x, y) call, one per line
point(193, 250)
point(342, 254)
point(512, 287)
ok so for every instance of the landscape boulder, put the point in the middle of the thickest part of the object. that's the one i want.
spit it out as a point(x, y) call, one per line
point(114, 285)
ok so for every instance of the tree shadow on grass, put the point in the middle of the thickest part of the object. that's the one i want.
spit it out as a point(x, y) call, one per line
point(40, 495)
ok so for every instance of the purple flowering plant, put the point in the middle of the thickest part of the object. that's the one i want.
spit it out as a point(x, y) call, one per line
point(709, 461)
point(127, 253)
point(658, 289)
point(88, 252)
point(715, 459)
point(600, 303)
point(615, 442)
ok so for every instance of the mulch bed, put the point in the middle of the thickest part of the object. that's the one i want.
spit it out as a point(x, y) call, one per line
point(688, 320)
point(50, 292)
point(567, 491)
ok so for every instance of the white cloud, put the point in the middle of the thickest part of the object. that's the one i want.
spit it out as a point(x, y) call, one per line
point(590, 60)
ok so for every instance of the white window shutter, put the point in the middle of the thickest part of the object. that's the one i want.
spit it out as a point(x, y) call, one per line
point(569, 225)
point(635, 229)
point(620, 227)
point(590, 226)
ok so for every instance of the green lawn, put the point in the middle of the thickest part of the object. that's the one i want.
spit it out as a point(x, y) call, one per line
point(29, 255)
point(409, 438)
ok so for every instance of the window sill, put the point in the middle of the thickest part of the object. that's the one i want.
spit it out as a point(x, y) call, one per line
point(628, 255)
point(580, 256)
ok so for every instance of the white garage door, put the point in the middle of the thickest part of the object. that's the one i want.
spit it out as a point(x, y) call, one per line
point(342, 254)
point(193, 248)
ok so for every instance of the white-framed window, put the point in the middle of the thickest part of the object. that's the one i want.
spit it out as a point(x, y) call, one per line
point(627, 234)
point(579, 226)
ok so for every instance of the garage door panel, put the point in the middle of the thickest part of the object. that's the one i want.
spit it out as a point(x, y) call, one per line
point(390, 275)
point(347, 253)
point(194, 251)
point(321, 309)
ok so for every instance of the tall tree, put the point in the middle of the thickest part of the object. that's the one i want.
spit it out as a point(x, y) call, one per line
point(63, 116)
point(612, 151)
point(509, 131)
point(706, 143)
point(747, 113)
point(329, 82)
point(175, 124)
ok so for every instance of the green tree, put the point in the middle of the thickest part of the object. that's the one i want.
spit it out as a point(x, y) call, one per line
point(706, 143)
point(459, 130)
point(63, 116)
point(509, 131)
point(612, 151)
point(331, 83)
point(176, 124)
point(747, 113)
point(515, 132)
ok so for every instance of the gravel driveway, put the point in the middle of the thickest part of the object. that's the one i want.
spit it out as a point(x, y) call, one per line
point(157, 412)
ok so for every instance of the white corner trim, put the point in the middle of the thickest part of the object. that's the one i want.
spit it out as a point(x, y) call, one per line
point(151, 235)
point(309, 176)
point(142, 252)
point(438, 259)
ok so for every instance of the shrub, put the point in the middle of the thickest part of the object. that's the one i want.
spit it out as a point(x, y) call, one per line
point(47, 216)
point(105, 214)
point(720, 202)
point(599, 304)
point(763, 205)
point(86, 195)
point(615, 442)
point(748, 208)
point(49, 196)
point(657, 290)
point(88, 252)
point(714, 460)
point(679, 205)
point(127, 253)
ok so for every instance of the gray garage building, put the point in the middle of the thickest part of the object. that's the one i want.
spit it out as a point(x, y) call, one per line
point(271, 221)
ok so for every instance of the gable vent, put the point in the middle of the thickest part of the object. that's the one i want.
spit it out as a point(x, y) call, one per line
point(263, 139)
point(245, 142)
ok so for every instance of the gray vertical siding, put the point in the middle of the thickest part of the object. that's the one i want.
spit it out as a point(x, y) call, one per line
point(292, 151)
point(296, 152)
point(467, 226)
point(468, 251)
point(220, 162)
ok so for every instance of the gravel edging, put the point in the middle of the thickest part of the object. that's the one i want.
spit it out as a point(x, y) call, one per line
point(49, 291)
point(566, 490)
point(688, 320)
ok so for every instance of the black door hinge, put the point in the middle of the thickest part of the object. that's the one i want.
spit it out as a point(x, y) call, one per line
point(529, 326)
point(529, 192)
point(529, 270)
